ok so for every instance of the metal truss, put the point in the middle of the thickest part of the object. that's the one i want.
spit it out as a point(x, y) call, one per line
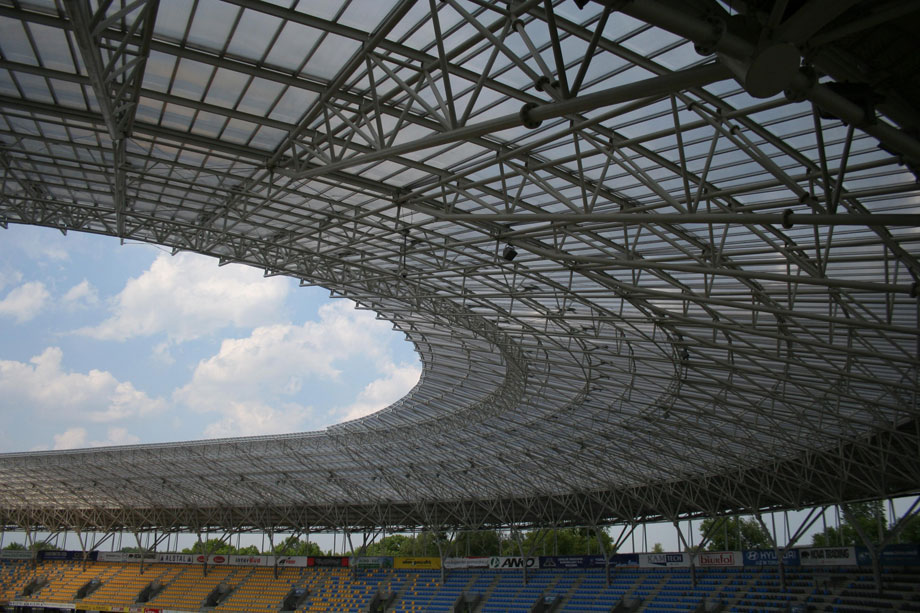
point(658, 258)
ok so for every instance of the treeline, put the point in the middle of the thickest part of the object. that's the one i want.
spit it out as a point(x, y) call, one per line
point(721, 534)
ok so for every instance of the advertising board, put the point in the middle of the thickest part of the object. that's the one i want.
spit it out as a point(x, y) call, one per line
point(663, 560)
point(327, 561)
point(828, 556)
point(719, 558)
point(452, 563)
point(512, 562)
point(417, 563)
point(767, 557)
point(373, 562)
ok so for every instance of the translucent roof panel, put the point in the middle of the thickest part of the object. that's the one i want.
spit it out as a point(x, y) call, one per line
point(657, 261)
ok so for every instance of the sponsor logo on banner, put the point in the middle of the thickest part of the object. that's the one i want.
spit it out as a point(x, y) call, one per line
point(137, 557)
point(572, 562)
point(719, 558)
point(247, 561)
point(42, 605)
point(895, 555)
point(56, 555)
point(513, 562)
point(417, 562)
point(452, 563)
point(16, 554)
point(327, 561)
point(176, 558)
point(110, 556)
point(624, 559)
point(828, 556)
point(296, 561)
point(373, 562)
point(767, 557)
point(663, 560)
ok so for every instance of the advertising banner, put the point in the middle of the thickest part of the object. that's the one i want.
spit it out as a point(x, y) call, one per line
point(512, 562)
point(624, 559)
point(49, 554)
point(16, 554)
point(293, 561)
point(248, 561)
point(572, 562)
point(215, 560)
point(327, 561)
point(563, 561)
point(417, 563)
point(136, 557)
point(892, 555)
point(176, 558)
point(110, 556)
point(373, 562)
point(719, 558)
point(451, 563)
point(767, 557)
point(828, 556)
point(663, 560)
point(42, 605)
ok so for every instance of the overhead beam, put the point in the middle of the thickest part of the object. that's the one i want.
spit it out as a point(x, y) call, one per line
point(531, 115)
point(116, 79)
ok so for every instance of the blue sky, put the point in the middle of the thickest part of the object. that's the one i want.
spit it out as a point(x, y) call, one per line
point(104, 343)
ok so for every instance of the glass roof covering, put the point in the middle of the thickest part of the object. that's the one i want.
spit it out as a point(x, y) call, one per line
point(658, 258)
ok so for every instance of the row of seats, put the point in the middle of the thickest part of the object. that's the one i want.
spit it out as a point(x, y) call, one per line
point(344, 591)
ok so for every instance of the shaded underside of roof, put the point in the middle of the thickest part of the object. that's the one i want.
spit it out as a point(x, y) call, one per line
point(658, 259)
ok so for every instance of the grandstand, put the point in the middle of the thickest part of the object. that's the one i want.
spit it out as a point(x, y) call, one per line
point(653, 590)
point(658, 258)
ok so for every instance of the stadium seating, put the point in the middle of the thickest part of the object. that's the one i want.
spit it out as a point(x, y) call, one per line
point(343, 590)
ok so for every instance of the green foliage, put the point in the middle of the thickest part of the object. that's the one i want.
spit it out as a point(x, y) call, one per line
point(478, 544)
point(15, 547)
point(723, 535)
point(657, 548)
point(218, 547)
point(869, 516)
point(393, 545)
point(292, 546)
point(563, 542)
point(911, 532)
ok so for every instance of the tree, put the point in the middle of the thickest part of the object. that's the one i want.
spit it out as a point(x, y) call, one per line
point(293, 546)
point(657, 548)
point(393, 545)
point(911, 531)
point(869, 516)
point(722, 534)
point(211, 546)
point(15, 547)
point(562, 541)
point(479, 543)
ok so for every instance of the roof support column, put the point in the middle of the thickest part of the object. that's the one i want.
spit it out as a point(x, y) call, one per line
point(116, 76)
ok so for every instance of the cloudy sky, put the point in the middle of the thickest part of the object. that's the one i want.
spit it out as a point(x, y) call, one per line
point(110, 344)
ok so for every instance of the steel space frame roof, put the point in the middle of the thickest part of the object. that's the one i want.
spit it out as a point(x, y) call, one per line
point(658, 258)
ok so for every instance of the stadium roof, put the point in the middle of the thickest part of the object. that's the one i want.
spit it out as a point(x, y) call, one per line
point(658, 257)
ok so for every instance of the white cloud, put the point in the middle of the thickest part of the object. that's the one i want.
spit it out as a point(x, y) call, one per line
point(42, 387)
point(24, 302)
point(9, 277)
point(383, 392)
point(252, 382)
point(81, 295)
point(75, 438)
point(255, 418)
point(188, 296)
